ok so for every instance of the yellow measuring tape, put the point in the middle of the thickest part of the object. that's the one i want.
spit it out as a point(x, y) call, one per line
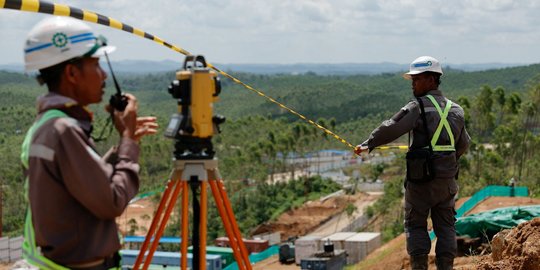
point(89, 16)
point(389, 147)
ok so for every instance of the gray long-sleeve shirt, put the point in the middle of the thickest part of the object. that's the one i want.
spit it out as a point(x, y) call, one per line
point(75, 194)
point(409, 119)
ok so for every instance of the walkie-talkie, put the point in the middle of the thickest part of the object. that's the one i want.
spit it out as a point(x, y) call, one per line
point(118, 101)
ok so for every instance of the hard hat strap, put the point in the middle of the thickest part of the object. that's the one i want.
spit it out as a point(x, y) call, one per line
point(101, 41)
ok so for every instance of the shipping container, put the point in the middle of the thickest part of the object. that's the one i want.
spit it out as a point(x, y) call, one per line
point(252, 245)
point(360, 245)
point(306, 246)
point(338, 239)
point(273, 238)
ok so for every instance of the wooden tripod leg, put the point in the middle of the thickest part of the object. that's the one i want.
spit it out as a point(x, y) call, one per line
point(184, 229)
point(241, 260)
point(155, 221)
point(163, 223)
point(234, 225)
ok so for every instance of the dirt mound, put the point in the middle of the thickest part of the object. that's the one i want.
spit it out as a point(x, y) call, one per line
point(300, 221)
point(516, 248)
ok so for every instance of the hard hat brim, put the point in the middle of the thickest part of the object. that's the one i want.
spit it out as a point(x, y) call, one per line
point(408, 75)
point(102, 50)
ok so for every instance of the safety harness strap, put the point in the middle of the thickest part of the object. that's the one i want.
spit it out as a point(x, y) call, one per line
point(443, 123)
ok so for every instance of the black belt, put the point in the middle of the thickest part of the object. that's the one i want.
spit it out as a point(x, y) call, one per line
point(108, 263)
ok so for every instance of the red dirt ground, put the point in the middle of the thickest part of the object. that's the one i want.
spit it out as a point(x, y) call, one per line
point(390, 256)
point(516, 248)
point(301, 221)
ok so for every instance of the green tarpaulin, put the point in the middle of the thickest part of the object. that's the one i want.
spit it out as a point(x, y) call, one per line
point(491, 222)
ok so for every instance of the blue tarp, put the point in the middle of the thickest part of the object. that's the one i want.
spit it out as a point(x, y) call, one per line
point(164, 239)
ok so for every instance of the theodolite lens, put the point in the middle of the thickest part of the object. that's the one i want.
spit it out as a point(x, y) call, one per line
point(174, 89)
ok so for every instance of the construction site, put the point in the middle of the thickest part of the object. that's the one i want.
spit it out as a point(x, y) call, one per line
point(305, 230)
point(310, 225)
point(340, 209)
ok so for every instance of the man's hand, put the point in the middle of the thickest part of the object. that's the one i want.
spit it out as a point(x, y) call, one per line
point(360, 148)
point(145, 126)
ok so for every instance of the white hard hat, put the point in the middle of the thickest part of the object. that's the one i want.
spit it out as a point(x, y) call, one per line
point(423, 64)
point(58, 39)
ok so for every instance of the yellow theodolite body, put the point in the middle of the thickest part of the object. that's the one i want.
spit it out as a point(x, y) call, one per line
point(202, 82)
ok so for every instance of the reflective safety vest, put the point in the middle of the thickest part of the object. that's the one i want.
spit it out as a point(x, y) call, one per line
point(442, 124)
point(30, 251)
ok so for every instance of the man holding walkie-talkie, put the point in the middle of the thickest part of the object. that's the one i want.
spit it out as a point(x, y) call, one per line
point(74, 194)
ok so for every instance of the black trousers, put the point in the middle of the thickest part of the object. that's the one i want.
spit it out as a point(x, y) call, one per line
point(436, 198)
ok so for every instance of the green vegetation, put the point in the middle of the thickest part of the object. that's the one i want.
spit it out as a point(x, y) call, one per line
point(502, 117)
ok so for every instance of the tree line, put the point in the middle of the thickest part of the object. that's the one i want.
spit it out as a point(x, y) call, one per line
point(501, 108)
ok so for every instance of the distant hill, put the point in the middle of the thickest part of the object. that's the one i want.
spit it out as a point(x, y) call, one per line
point(342, 97)
point(145, 66)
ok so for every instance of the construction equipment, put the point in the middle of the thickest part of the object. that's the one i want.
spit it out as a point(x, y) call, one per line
point(195, 167)
point(286, 253)
point(328, 259)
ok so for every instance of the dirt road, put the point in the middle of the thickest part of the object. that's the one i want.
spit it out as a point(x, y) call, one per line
point(340, 221)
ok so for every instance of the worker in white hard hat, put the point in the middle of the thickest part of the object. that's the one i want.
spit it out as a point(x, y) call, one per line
point(74, 193)
point(439, 139)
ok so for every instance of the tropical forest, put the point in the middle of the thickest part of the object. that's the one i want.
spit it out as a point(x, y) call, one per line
point(502, 108)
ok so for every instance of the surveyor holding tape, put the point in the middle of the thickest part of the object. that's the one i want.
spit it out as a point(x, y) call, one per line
point(439, 138)
point(74, 194)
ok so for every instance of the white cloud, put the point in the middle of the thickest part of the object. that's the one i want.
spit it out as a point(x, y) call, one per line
point(289, 31)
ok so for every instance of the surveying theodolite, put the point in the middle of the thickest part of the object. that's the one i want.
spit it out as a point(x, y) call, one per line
point(196, 88)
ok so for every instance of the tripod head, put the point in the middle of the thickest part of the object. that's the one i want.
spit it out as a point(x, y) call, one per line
point(196, 89)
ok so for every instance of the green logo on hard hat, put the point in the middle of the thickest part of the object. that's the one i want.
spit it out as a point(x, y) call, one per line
point(59, 40)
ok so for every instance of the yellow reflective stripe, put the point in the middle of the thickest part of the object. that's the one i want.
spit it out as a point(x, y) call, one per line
point(34, 261)
point(42, 262)
point(443, 123)
point(29, 232)
point(443, 148)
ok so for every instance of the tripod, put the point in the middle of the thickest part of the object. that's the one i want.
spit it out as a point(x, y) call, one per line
point(197, 173)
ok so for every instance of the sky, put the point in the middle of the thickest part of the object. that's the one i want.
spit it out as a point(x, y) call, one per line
point(308, 31)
